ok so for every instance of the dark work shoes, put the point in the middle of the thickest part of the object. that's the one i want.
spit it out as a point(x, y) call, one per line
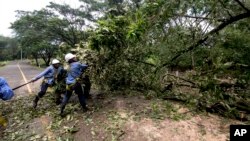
point(85, 109)
point(35, 102)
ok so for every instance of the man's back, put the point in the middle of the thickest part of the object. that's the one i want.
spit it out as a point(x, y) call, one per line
point(6, 93)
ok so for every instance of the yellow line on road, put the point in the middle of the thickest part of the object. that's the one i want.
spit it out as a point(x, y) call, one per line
point(24, 78)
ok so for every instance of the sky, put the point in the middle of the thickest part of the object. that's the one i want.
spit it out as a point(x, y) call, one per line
point(8, 8)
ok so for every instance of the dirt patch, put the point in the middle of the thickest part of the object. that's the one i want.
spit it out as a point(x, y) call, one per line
point(1, 131)
point(39, 127)
point(84, 132)
point(206, 128)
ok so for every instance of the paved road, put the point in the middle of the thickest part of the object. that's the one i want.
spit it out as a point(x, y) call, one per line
point(19, 72)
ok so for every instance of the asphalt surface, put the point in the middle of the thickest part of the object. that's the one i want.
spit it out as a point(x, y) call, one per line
point(20, 72)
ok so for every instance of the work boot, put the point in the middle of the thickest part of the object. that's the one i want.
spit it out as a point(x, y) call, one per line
point(61, 114)
point(35, 102)
point(85, 109)
point(88, 96)
point(58, 101)
point(61, 111)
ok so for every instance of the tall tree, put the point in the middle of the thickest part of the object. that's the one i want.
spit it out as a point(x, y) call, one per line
point(9, 48)
point(70, 23)
point(32, 30)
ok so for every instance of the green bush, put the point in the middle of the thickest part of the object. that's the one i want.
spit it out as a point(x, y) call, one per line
point(3, 63)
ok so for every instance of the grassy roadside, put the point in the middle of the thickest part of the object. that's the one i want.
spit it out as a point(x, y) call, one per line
point(40, 62)
point(3, 63)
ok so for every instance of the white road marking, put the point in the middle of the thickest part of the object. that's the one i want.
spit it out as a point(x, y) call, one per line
point(24, 78)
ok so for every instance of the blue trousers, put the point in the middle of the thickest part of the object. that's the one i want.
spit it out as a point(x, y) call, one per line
point(44, 87)
point(78, 90)
point(43, 90)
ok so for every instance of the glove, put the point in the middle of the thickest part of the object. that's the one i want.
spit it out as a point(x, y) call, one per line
point(3, 121)
point(78, 79)
point(33, 80)
point(70, 86)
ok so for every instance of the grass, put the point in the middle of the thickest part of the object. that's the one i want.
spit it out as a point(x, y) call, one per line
point(3, 63)
point(40, 62)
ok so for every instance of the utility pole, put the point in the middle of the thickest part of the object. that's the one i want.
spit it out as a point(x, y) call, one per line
point(21, 54)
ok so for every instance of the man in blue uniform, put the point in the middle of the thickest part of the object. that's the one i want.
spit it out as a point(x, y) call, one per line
point(73, 82)
point(49, 74)
point(6, 93)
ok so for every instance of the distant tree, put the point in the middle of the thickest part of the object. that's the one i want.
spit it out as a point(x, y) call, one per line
point(41, 32)
point(9, 48)
point(32, 33)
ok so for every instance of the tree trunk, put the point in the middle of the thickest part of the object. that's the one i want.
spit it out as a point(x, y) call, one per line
point(192, 57)
point(37, 64)
point(46, 60)
point(35, 56)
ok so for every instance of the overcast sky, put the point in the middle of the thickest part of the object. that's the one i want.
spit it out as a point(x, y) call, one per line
point(8, 8)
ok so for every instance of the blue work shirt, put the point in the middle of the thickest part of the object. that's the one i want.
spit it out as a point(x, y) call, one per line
point(6, 93)
point(49, 74)
point(75, 70)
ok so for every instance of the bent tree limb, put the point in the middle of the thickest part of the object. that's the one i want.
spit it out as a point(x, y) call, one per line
point(242, 5)
point(202, 40)
point(193, 83)
point(202, 18)
point(142, 62)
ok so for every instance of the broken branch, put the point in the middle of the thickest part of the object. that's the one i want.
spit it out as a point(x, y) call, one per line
point(202, 40)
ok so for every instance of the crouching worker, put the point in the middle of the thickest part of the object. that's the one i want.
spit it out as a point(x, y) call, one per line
point(73, 82)
point(6, 93)
point(87, 86)
point(60, 85)
point(49, 75)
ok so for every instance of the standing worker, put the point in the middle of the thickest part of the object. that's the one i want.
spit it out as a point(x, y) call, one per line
point(73, 82)
point(49, 74)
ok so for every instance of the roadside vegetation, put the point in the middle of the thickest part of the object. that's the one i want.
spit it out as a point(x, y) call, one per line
point(3, 63)
point(40, 62)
